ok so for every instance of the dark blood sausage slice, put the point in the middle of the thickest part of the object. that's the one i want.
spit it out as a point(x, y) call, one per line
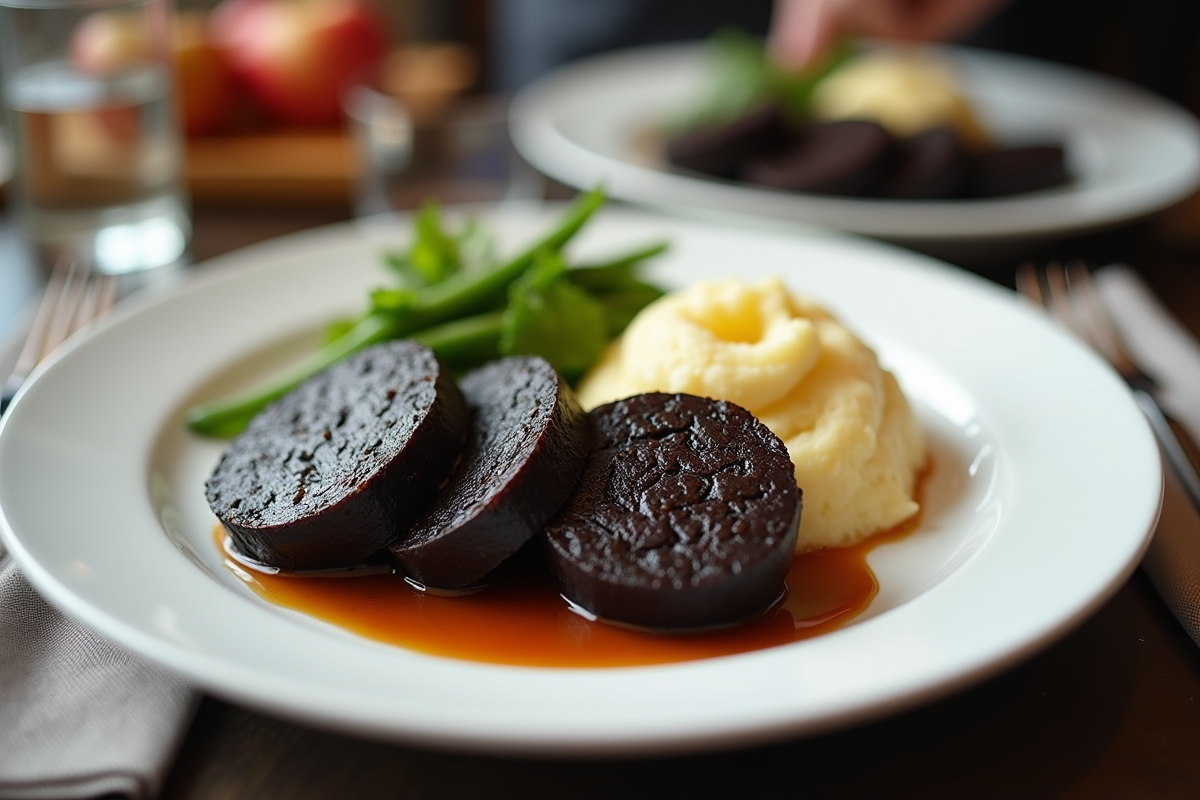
point(686, 515)
point(719, 149)
point(1014, 170)
point(526, 451)
point(846, 157)
point(928, 166)
point(332, 472)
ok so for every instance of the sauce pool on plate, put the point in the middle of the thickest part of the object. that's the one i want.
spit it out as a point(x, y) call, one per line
point(520, 619)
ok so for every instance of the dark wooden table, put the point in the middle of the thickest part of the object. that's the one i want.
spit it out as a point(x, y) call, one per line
point(1111, 710)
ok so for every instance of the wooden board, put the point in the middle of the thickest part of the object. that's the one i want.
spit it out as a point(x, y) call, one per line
point(286, 168)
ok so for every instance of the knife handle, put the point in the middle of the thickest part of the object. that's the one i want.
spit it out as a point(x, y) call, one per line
point(1178, 448)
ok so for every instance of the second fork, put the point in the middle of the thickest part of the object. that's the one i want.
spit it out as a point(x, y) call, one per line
point(1068, 294)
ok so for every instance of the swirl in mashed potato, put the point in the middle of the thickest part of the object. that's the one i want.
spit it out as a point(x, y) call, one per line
point(851, 434)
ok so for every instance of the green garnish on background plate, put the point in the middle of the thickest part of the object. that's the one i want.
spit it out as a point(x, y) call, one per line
point(744, 78)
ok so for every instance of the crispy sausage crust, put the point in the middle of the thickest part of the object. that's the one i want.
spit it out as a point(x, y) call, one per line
point(331, 473)
point(686, 515)
point(526, 451)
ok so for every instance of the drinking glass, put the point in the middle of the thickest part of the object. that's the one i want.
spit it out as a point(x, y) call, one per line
point(461, 154)
point(88, 90)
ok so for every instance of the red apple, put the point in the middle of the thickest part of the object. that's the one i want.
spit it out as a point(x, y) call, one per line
point(295, 56)
point(205, 81)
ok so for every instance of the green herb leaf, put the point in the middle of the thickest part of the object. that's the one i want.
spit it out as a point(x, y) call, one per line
point(549, 316)
point(795, 89)
point(741, 81)
point(476, 247)
point(616, 273)
point(620, 307)
point(392, 301)
point(434, 254)
point(743, 78)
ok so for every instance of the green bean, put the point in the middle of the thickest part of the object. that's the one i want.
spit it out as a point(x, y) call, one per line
point(463, 293)
point(615, 274)
point(459, 295)
point(228, 417)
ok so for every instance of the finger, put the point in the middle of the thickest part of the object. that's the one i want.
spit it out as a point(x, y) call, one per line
point(801, 31)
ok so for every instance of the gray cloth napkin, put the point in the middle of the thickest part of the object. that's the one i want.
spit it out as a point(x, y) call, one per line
point(1168, 352)
point(79, 717)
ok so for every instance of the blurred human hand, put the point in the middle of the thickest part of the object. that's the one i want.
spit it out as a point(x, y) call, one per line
point(801, 30)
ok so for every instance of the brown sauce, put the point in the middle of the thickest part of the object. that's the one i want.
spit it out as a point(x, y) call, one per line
point(520, 619)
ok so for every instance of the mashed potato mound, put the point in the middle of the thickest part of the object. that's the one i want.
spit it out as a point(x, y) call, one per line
point(851, 434)
point(905, 91)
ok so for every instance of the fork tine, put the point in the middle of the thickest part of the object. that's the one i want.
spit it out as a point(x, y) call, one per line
point(72, 298)
point(31, 350)
point(1029, 285)
point(107, 295)
point(1069, 295)
point(65, 312)
point(1104, 335)
point(98, 295)
point(1061, 304)
point(1047, 288)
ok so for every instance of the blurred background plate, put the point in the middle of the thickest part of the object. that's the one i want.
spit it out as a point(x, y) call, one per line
point(5, 158)
point(1132, 153)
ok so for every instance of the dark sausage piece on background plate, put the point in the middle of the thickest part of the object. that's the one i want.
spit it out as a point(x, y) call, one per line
point(719, 149)
point(1015, 170)
point(328, 475)
point(928, 166)
point(847, 157)
point(525, 453)
point(686, 515)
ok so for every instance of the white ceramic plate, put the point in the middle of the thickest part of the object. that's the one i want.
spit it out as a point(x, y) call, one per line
point(1044, 493)
point(593, 122)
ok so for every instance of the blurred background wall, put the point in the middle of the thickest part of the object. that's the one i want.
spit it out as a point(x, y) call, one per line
point(1154, 43)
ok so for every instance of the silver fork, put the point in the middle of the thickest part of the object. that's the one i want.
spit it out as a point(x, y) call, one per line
point(73, 297)
point(1068, 294)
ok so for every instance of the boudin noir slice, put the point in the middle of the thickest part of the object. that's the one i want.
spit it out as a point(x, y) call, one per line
point(525, 453)
point(685, 517)
point(332, 472)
